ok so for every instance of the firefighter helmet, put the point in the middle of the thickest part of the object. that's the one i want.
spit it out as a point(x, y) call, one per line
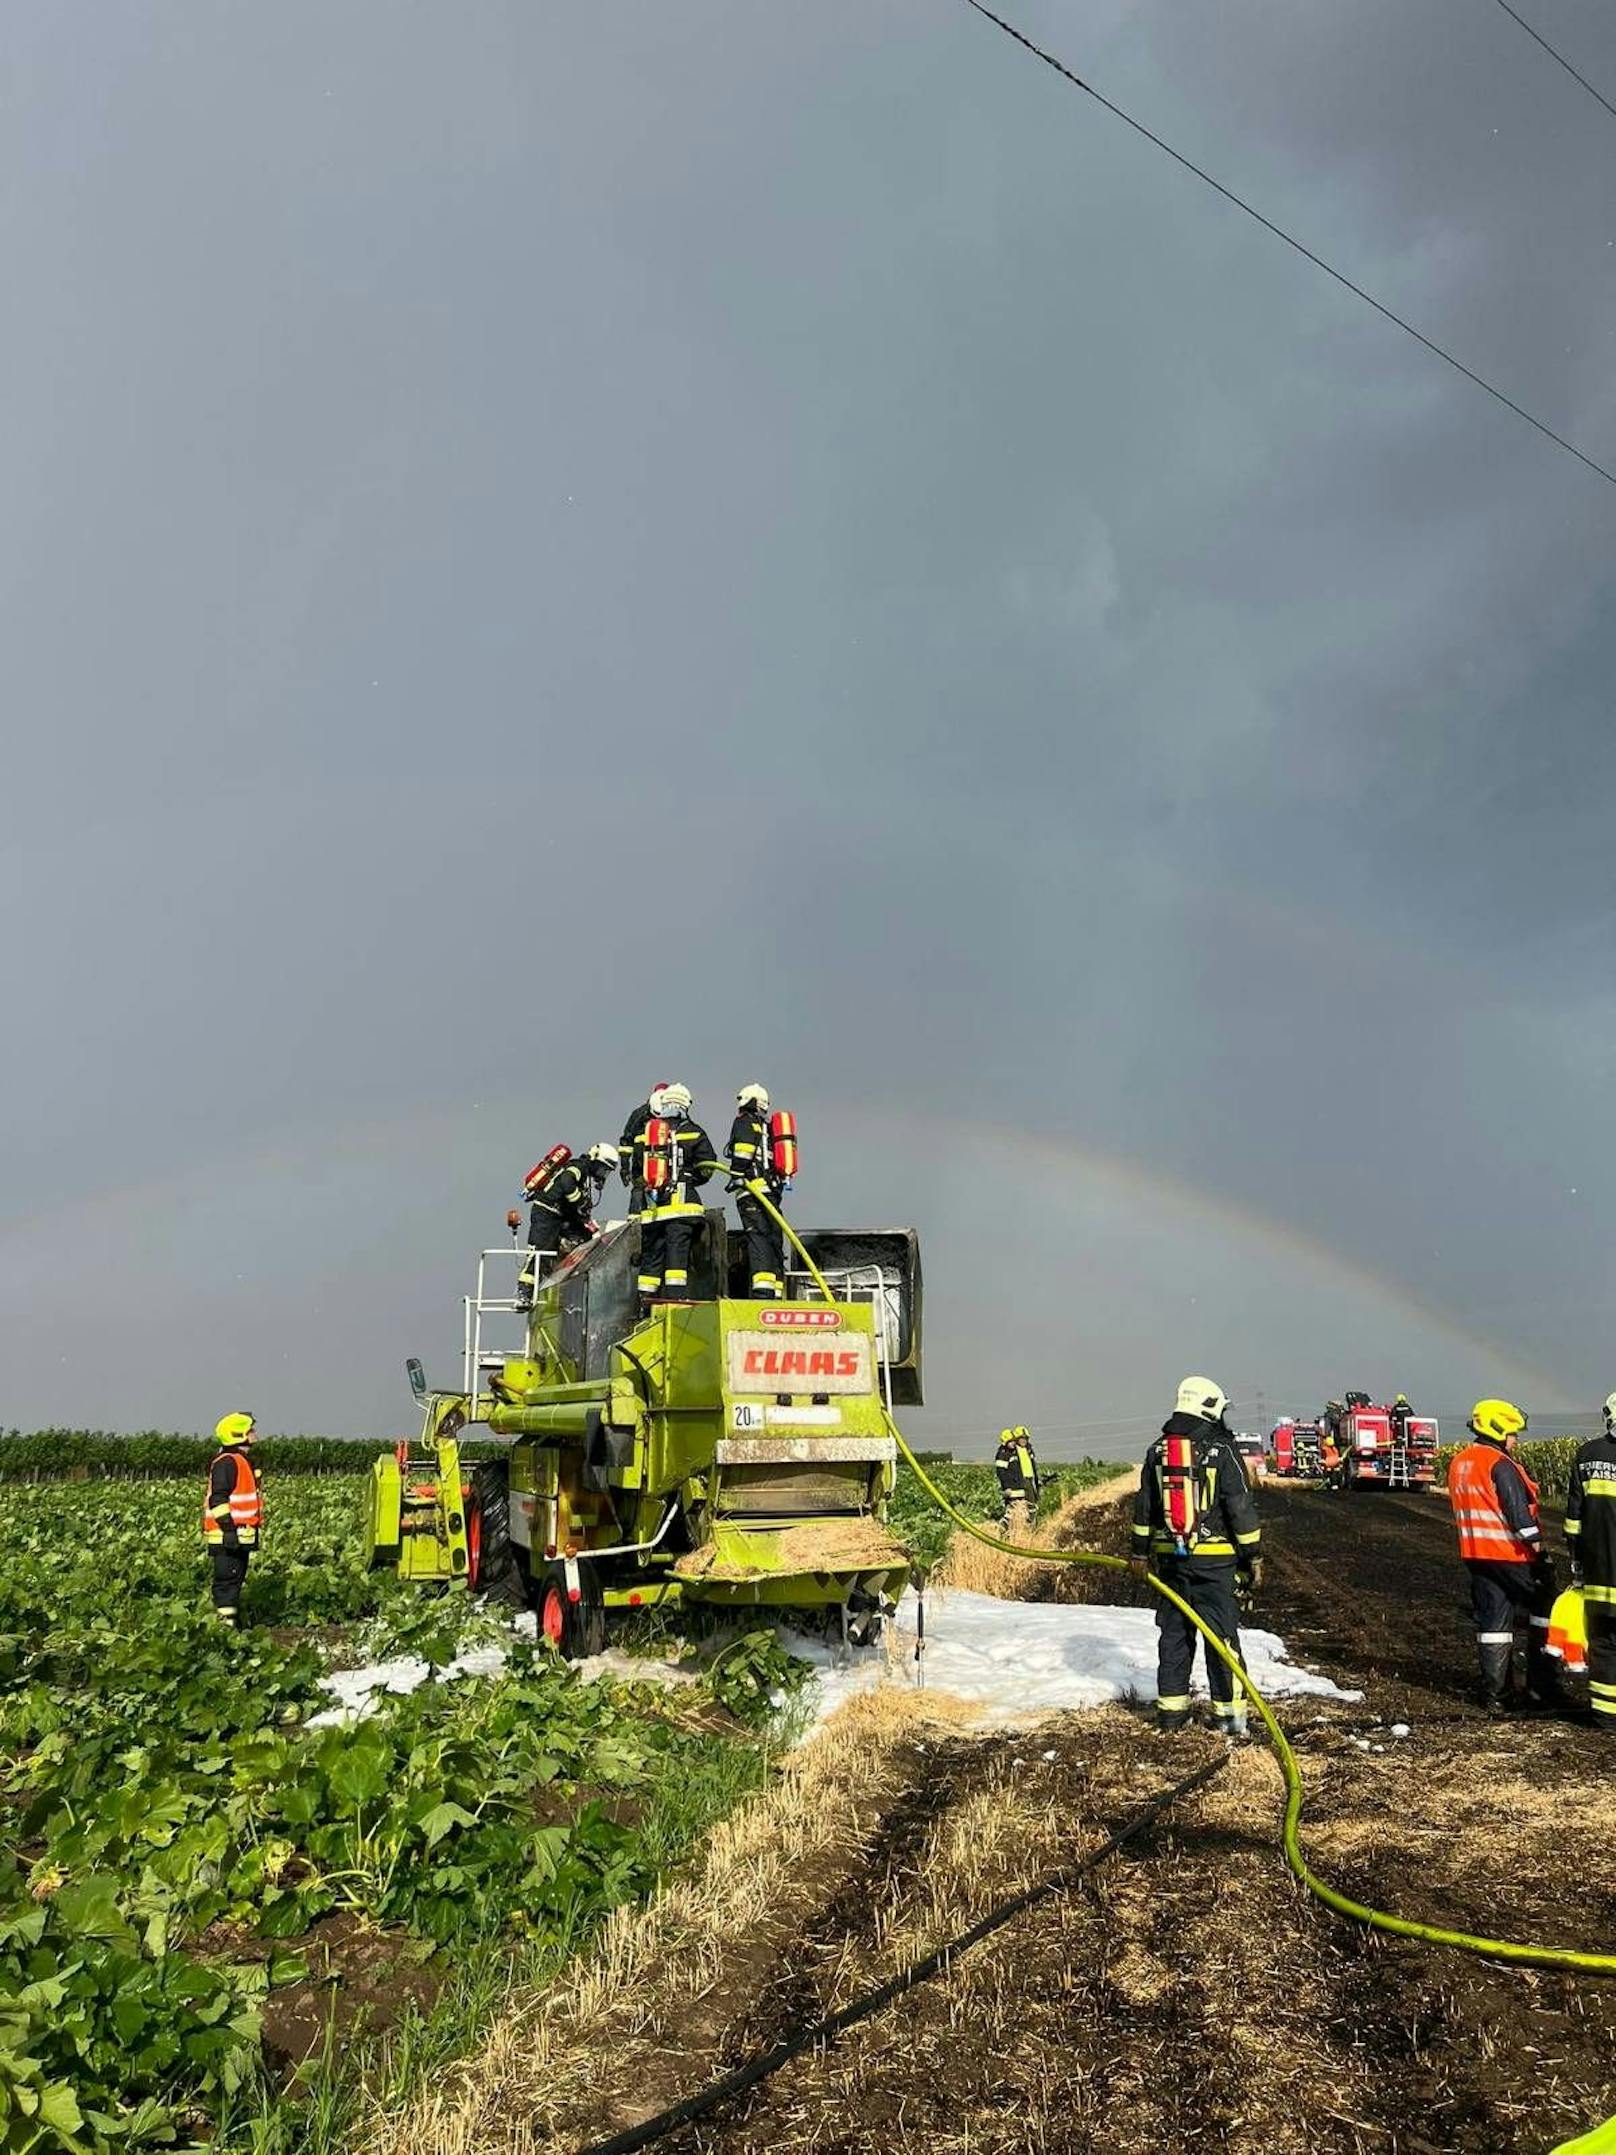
point(602, 1156)
point(1011, 1436)
point(1199, 1395)
point(1499, 1419)
point(753, 1096)
point(1610, 1412)
point(672, 1100)
point(235, 1429)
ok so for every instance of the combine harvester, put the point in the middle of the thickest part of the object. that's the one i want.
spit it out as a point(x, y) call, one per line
point(718, 1450)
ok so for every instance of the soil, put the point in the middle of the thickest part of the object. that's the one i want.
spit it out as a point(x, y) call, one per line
point(361, 1981)
point(1189, 1995)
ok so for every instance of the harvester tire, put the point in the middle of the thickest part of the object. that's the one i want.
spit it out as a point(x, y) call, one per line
point(574, 1628)
point(491, 1568)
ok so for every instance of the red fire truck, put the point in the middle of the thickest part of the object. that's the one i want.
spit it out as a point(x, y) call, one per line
point(1295, 1447)
point(1387, 1448)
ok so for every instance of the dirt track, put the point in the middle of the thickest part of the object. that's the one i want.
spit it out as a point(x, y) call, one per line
point(1190, 1997)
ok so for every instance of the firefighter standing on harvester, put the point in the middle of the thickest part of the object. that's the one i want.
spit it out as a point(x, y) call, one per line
point(1590, 1525)
point(1495, 1510)
point(673, 1158)
point(562, 1218)
point(762, 1162)
point(1195, 1525)
point(232, 1514)
point(630, 1159)
point(1017, 1470)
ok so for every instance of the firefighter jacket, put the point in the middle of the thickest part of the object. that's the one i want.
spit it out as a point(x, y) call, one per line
point(631, 1163)
point(233, 1509)
point(1017, 1471)
point(569, 1196)
point(750, 1157)
point(1494, 1506)
point(1225, 1522)
point(1590, 1520)
point(696, 1159)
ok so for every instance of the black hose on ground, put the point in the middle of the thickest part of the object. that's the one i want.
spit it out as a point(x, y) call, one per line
point(872, 2001)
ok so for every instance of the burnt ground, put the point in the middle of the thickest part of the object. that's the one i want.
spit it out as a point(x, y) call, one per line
point(1189, 1995)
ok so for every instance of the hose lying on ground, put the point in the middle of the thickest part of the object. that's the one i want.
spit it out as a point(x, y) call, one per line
point(920, 1971)
point(1535, 1956)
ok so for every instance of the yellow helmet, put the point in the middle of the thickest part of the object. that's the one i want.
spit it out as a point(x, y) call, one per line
point(1009, 1436)
point(1496, 1418)
point(234, 1429)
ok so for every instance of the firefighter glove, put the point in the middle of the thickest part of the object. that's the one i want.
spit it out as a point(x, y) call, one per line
point(1139, 1566)
point(1248, 1584)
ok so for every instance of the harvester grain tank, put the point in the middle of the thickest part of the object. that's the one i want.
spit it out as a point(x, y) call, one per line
point(719, 1450)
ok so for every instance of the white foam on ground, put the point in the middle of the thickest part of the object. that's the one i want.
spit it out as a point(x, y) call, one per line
point(1018, 1660)
point(357, 1693)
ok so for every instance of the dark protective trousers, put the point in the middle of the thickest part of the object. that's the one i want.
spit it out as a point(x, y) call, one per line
point(229, 1577)
point(665, 1246)
point(1602, 1662)
point(765, 1249)
point(1500, 1596)
point(1207, 1584)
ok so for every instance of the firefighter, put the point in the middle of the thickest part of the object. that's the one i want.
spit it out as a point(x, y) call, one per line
point(563, 1216)
point(751, 1167)
point(1495, 1510)
point(1017, 1470)
point(629, 1161)
point(1195, 1524)
point(232, 1514)
point(1590, 1525)
point(1330, 1460)
point(670, 1178)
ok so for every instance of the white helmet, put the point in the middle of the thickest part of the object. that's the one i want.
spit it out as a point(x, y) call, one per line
point(602, 1156)
point(753, 1096)
point(1199, 1395)
point(1610, 1412)
point(672, 1100)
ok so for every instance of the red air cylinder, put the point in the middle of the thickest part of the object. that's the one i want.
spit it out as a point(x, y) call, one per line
point(1178, 1486)
point(783, 1144)
point(659, 1150)
point(537, 1179)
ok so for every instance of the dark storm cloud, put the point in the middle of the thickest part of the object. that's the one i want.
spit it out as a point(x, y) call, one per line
point(545, 547)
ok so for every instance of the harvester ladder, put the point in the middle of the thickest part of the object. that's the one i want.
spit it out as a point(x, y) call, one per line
point(475, 1358)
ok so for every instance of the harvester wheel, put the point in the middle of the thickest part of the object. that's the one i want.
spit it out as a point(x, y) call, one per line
point(491, 1567)
point(573, 1628)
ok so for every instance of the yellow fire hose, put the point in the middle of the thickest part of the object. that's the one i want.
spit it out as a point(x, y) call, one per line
point(1603, 2140)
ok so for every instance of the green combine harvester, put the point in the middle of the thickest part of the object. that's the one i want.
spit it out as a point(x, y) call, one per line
point(719, 1450)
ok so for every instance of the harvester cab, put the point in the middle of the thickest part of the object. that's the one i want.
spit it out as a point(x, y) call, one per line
point(717, 1449)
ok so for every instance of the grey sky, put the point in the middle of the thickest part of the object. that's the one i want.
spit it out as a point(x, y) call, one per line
point(545, 548)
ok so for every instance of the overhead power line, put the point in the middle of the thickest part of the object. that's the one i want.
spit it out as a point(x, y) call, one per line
point(1538, 38)
point(1291, 241)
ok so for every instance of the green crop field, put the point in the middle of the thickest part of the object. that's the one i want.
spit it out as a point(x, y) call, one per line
point(974, 1490)
point(178, 1844)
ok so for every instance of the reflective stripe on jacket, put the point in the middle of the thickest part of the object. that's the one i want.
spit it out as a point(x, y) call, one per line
point(237, 1504)
point(1487, 1534)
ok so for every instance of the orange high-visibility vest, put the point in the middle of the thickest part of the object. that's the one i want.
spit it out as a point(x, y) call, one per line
point(1484, 1533)
point(1568, 1632)
point(246, 1503)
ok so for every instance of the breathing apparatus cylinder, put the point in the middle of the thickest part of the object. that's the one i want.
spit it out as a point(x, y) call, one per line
point(783, 1144)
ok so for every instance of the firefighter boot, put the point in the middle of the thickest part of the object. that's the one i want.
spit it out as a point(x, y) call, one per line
point(1495, 1656)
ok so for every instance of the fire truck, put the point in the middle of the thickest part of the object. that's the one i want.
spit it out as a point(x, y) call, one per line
point(1387, 1448)
point(1295, 1448)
